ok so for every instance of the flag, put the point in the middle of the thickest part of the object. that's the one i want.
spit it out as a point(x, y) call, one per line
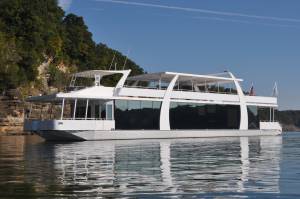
point(251, 92)
point(275, 90)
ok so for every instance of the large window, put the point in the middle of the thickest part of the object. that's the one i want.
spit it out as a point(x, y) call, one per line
point(253, 117)
point(268, 114)
point(133, 114)
point(204, 116)
point(260, 114)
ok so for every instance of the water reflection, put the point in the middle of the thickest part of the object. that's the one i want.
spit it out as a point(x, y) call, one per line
point(134, 168)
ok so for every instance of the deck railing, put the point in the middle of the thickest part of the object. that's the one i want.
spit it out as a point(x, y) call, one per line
point(232, 92)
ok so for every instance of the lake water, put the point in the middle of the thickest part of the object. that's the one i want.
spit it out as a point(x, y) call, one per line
point(256, 167)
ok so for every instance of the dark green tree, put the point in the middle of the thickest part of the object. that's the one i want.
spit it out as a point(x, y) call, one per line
point(34, 32)
point(10, 73)
point(79, 46)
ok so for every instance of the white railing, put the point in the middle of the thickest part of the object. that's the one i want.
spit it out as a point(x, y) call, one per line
point(270, 126)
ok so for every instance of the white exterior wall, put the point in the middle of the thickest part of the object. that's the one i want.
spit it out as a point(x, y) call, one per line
point(270, 125)
point(68, 125)
point(140, 92)
point(261, 101)
point(205, 97)
point(95, 92)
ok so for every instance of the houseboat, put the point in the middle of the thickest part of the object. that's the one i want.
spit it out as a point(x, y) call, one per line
point(151, 106)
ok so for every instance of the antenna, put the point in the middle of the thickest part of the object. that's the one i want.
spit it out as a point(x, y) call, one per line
point(128, 51)
point(275, 90)
point(112, 61)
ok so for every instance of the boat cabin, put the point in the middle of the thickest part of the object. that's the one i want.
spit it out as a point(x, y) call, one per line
point(156, 101)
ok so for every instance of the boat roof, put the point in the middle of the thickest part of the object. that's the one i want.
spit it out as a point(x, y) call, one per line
point(92, 73)
point(168, 76)
point(43, 98)
point(163, 76)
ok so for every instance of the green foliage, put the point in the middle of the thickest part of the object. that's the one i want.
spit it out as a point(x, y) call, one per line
point(57, 78)
point(79, 47)
point(34, 31)
point(35, 27)
point(10, 73)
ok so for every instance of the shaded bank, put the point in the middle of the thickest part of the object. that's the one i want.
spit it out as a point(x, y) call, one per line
point(290, 120)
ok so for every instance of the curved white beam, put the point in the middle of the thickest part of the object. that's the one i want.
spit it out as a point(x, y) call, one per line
point(165, 106)
point(243, 104)
point(123, 78)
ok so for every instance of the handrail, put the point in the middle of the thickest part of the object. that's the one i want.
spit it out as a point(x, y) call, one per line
point(187, 90)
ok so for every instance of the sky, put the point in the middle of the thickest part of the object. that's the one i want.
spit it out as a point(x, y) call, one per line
point(257, 40)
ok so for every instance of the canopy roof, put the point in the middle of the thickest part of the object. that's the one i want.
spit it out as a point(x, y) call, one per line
point(183, 77)
point(92, 73)
point(43, 98)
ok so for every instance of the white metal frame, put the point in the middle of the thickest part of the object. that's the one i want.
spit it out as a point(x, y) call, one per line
point(166, 96)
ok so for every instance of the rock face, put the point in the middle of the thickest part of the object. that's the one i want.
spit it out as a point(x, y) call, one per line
point(11, 114)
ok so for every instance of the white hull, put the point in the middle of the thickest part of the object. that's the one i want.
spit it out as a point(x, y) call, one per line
point(149, 134)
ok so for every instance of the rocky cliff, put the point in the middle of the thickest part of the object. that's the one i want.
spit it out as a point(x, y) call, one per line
point(11, 113)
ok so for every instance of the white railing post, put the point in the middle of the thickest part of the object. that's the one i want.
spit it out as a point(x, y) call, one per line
point(30, 111)
point(86, 109)
point(62, 109)
point(100, 110)
point(159, 84)
point(74, 111)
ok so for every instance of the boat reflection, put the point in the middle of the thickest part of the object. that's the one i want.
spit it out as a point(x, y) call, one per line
point(237, 166)
point(171, 166)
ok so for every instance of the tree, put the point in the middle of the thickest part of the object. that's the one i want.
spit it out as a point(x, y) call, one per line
point(79, 46)
point(10, 73)
point(34, 32)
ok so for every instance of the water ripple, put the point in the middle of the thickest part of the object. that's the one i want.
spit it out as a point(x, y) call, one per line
point(261, 167)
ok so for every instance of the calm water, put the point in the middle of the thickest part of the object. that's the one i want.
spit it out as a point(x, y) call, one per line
point(260, 167)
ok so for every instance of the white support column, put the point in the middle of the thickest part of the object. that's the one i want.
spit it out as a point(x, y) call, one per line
point(121, 82)
point(62, 109)
point(165, 106)
point(97, 80)
point(86, 108)
point(113, 111)
point(100, 110)
point(74, 111)
point(92, 105)
point(123, 78)
point(243, 105)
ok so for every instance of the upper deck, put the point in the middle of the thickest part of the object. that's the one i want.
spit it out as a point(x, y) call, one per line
point(222, 88)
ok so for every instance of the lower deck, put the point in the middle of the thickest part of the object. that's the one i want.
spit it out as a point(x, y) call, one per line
point(149, 134)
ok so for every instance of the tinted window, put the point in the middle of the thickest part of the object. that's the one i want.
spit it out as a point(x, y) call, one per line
point(253, 117)
point(204, 116)
point(133, 114)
